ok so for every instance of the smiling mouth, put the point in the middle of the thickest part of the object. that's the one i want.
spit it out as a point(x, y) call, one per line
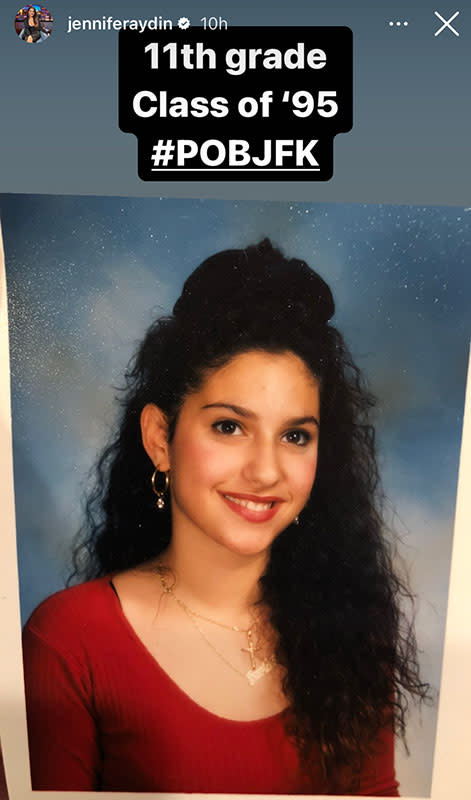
point(253, 508)
point(250, 504)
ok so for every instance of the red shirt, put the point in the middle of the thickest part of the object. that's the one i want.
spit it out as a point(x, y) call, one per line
point(103, 715)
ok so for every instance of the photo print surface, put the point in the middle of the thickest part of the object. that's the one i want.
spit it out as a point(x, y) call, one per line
point(82, 293)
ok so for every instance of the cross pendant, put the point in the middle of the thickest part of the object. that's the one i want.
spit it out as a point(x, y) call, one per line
point(251, 650)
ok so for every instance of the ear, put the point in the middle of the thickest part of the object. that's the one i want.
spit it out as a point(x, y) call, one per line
point(154, 430)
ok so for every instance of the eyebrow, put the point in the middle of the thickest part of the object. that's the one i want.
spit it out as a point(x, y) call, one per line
point(244, 412)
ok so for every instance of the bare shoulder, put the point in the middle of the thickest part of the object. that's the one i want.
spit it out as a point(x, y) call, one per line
point(139, 591)
point(138, 582)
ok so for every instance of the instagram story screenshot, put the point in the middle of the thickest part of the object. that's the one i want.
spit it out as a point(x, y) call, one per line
point(235, 313)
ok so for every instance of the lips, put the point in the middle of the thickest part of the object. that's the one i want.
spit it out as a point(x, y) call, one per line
point(255, 506)
point(252, 507)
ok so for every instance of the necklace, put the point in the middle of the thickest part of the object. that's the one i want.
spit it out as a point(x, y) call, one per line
point(255, 672)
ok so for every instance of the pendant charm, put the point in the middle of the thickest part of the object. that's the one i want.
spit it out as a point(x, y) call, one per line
point(254, 675)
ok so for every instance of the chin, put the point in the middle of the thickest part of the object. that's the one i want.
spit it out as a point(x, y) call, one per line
point(248, 545)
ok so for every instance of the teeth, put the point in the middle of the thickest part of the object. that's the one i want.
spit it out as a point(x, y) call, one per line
point(249, 503)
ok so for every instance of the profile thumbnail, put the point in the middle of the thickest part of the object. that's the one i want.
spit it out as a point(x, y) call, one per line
point(33, 24)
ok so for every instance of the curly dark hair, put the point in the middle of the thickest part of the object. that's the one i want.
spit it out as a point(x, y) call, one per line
point(335, 595)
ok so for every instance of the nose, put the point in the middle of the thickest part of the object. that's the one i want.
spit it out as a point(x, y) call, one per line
point(262, 467)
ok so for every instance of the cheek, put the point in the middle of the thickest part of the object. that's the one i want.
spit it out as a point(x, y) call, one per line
point(303, 474)
point(201, 460)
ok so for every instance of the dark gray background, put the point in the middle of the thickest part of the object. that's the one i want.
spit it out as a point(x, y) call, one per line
point(411, 133)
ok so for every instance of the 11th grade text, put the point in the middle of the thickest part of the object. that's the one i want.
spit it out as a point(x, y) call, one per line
point(237, 60)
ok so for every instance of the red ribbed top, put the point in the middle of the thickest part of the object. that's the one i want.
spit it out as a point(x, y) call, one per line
point(103, 715)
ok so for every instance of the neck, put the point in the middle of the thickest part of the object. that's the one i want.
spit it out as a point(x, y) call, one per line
point(213, 580)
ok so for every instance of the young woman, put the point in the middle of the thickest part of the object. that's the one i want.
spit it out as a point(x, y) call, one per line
point(33, 29)
point(240, 630)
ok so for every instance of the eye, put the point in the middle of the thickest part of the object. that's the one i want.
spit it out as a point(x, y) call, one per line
point(298, 437)
point(228, 427)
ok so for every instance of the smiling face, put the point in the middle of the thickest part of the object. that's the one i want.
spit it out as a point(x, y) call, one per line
point(244, 453)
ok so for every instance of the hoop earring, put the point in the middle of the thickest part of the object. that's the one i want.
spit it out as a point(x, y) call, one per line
point(160, 492)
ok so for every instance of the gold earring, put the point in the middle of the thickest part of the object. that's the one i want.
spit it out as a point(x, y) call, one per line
point(160, 492)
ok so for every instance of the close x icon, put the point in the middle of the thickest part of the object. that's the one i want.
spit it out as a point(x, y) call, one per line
point(446, 23)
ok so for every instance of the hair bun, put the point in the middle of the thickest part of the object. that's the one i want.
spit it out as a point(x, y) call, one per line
point(258, 276)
